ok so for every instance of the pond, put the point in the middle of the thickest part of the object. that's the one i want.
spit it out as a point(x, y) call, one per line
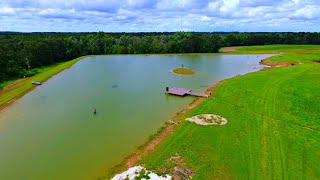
point(52, 133)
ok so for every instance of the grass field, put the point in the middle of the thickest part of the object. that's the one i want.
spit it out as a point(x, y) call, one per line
point(284, 53)
point(20, 87)
point(273, 129)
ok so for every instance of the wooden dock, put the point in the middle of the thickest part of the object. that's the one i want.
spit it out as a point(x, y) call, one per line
point(184, 92)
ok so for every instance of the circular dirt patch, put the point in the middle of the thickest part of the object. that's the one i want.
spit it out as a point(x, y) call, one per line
point(208, 119)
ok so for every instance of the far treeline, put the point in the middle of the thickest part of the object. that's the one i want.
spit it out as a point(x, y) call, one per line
point(22, 53)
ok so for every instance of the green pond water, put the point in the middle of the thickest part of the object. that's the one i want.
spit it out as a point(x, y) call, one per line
point(52, 133)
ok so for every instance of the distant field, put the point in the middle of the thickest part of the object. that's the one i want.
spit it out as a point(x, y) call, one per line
point(273, 129)
point(275, 49)
point(285, 53)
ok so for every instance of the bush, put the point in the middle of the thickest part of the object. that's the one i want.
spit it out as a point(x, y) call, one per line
point(31, 73)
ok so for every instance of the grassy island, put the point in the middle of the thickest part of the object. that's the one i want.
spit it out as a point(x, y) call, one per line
point(183, 71)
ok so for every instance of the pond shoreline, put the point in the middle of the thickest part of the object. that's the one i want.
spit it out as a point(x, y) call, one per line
point(22, 86)
point(154, 139)
point(168, 129)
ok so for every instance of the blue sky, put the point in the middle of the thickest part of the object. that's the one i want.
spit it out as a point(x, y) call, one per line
point(159, 15)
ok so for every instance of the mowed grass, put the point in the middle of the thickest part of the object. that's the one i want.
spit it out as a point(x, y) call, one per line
point(23, 86)
point(273, 129)
point(275, 49)
point(184, 71)
point(284, 53)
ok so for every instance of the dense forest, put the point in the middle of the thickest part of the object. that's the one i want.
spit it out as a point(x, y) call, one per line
point(22, 53)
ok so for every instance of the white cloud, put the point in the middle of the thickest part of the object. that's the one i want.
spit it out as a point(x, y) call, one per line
point(169, 4)
point(160, 15)
point(205, 18)
point(214, 6)
point(229, 6)
point(7, 11)
point(307, 12)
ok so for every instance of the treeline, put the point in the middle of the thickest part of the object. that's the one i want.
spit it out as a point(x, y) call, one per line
point(21, 53)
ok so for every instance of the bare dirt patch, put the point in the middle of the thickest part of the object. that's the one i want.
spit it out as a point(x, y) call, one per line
point(271, 63)
point(16, 84)
point(228, 49)
point(177, 168)
point(208, 119)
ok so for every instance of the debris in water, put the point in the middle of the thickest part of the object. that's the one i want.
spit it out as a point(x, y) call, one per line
point(115, 86)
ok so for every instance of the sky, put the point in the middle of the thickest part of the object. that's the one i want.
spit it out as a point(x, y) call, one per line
point(160, 15)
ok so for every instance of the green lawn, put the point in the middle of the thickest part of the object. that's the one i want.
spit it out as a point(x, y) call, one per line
point(273, 129)
point(284, 53)
point(23, 87)
point(307, 49)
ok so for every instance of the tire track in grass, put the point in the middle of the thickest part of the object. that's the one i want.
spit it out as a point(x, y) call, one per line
point(247, 151)
point(265, 125)
point(275, 145)
point(270, 130)
point(251, 141)
point(282, 158)
point(271, 100)
point(264, 128)
point(264, 101)
point(271, 126)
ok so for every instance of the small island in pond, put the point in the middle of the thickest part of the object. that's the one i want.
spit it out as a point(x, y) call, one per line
point(184, 71)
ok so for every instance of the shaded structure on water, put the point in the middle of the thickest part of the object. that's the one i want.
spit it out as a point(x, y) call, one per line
point(183, 92)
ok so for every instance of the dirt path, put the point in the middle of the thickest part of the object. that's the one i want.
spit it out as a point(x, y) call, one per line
point(16, 84)
point(271, 63)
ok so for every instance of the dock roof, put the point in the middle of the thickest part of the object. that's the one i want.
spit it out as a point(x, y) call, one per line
point(179, 91)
